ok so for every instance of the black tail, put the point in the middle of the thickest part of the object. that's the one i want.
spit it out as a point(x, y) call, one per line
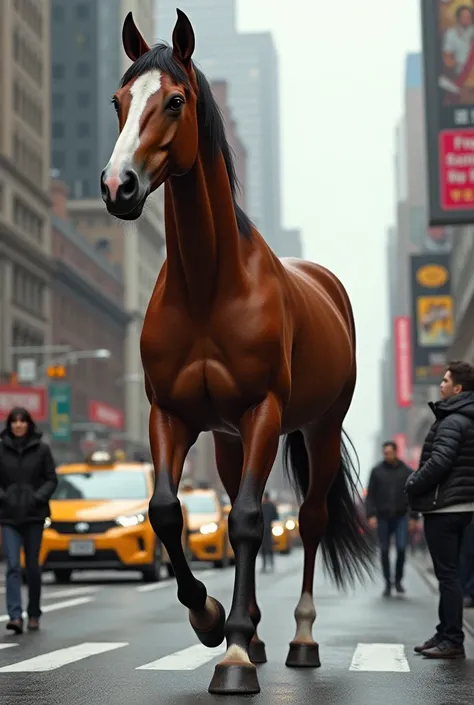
point(348, 546)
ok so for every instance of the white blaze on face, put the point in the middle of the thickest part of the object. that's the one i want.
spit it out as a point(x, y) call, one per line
point(129, 139)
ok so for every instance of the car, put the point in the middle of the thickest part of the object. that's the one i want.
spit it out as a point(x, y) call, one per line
point(99, 520)
point(207, 526)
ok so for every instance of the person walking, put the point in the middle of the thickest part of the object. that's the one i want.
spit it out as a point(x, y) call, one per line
point(387, 512)
point(467, 566)
point(270, 514)
point(442, 489)
point(27, 481)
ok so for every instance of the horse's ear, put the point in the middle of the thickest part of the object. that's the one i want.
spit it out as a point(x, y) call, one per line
point(133, 42)
point(183, 39)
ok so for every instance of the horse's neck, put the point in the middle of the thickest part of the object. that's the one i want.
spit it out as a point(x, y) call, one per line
point(202, 239)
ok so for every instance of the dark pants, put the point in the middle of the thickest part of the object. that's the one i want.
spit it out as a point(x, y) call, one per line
point(387, 527)
point(444, 535)
point(266, 549)
point(467, 562)
point(13, 538)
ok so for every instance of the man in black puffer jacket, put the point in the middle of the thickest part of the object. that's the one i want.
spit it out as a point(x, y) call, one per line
point(443, 490)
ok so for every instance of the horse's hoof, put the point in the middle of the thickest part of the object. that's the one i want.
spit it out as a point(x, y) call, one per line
point(234, 679)
point(215, 635)
point(303, 656)
point(257, 653)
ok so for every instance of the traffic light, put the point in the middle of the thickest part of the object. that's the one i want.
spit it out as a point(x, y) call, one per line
point(56, 371)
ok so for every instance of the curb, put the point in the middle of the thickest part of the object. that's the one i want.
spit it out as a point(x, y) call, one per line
point(432, 583)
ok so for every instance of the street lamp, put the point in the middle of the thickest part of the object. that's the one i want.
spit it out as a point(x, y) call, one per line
point(68, 355)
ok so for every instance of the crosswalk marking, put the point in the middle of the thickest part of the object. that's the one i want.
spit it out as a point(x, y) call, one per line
point(7, 646)
point(55, 606)
point(184, 660)
point(69, 592)
point(61, 657)
point(380, 657)
point(154, 586)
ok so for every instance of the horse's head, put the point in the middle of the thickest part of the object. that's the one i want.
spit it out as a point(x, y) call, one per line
point(156, 106)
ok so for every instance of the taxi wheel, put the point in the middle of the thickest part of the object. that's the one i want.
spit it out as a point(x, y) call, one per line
point(62, 576)
point(152, 574)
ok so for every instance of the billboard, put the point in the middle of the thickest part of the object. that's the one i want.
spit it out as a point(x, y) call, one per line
point(448, 50)
point(59, 396)
point(106, 415)
point(432, 316)
point(31, 398)
point(403, 363)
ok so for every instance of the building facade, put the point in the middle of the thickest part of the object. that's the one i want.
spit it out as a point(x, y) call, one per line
point(88, 313)
point(25, 224)
point(87, 35)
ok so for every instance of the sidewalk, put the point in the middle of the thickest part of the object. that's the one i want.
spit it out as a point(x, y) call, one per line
point(424, 567)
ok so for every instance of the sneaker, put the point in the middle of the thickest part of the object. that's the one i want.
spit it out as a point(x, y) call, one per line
point(445, 650)
point(399, 588)
point(15, 625)
point(429, 644)
point(33, 624)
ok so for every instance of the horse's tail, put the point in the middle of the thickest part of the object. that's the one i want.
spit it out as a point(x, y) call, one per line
point(348, 546)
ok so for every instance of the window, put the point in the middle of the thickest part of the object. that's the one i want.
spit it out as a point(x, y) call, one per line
point(58, 159)
point(102, 484)
point(83, 158)
point(83, 100)
point(58, 129)
point(58, 14)
point(82, 69)
point(58, 101)
point(82, 129)
point(82, 11)
point(58, 70)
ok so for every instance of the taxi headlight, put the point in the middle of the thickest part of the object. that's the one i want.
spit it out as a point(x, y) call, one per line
point(277, 530)
point(132, 520)
point(47, 522)
point(209, 528)
point(290, 524)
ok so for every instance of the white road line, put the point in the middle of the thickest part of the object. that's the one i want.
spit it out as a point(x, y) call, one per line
point(380, 657)
point(7, 646)
point(56, 606)
point(69, 592)
point(185, 660)
point(154, 586)
point(61, 657)
point(205, 573)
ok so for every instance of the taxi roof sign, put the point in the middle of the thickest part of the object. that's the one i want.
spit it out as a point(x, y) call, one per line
point(100, 457)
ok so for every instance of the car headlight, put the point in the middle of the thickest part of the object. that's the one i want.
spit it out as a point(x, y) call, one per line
point(277, 530)
point(132, 520)
point(290, 524)
point(209, 528)
point(47, 523)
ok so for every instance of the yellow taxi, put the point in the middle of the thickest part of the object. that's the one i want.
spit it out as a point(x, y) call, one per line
point(285, 530)
point(99, 520)
point(208, 534)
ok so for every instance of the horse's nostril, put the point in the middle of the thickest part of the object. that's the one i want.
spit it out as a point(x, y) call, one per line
point(130, 184)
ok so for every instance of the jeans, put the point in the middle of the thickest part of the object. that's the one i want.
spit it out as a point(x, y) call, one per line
point(30, 536)
point(386, 528)
point(444, 534)
point(467, 562)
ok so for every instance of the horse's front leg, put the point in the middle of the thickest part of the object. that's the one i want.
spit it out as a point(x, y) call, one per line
point(260, 431)
point(170, 441)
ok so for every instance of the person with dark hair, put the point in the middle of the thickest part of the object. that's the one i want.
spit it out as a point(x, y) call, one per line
point(27, 482)
point(442, 489)
point(387, 512)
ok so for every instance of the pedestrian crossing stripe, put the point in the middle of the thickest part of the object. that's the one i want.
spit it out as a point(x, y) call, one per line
point(366, 657)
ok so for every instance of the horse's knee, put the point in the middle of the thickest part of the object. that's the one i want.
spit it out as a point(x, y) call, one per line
point(164, 509)
point(246, 524)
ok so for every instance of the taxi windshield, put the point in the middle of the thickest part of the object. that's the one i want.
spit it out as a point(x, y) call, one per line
point(100, 485)
point(199, 503)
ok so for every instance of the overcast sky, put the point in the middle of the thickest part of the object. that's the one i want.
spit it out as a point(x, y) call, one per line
point(341, 86)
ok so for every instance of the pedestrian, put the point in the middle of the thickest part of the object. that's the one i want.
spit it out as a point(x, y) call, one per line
point(467, 566)
point(387, 512)
point(27, 481)
point(442, 489)
point(270, 514)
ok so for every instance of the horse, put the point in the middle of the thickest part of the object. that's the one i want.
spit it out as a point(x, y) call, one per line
point(237, 342)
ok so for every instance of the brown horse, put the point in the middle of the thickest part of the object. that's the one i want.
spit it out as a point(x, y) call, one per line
point(237, 342)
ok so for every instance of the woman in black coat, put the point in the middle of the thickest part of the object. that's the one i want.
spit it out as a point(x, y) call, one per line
point(27, 481)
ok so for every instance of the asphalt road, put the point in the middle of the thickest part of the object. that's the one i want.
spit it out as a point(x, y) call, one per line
point(115, 641)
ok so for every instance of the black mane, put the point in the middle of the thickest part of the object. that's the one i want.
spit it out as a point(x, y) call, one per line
point(210, 118)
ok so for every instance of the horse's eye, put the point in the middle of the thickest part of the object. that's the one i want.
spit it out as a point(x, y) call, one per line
point(176, 104)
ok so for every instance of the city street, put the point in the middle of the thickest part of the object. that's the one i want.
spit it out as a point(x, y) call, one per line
point(113, 640)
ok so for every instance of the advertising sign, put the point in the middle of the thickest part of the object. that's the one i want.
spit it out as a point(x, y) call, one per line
point(403, 363)
point(31, 398)
point(448, 52)
point(60, 411)
point(432, 316)
point(105, 415)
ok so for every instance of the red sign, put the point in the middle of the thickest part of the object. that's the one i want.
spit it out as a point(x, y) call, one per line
point(414, 455)
point(401, 440)
point(34, 399)
point(403, 364)
point(456, 169)
point(105, 415)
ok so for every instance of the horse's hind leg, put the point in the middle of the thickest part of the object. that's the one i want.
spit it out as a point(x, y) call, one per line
point(229, 461)
point(170, 441)
point(323, 450)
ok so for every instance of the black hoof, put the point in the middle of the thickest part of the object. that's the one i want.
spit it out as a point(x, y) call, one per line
point(234, 679)
point(257, 653)
point(215, 636)
point(303, 656)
